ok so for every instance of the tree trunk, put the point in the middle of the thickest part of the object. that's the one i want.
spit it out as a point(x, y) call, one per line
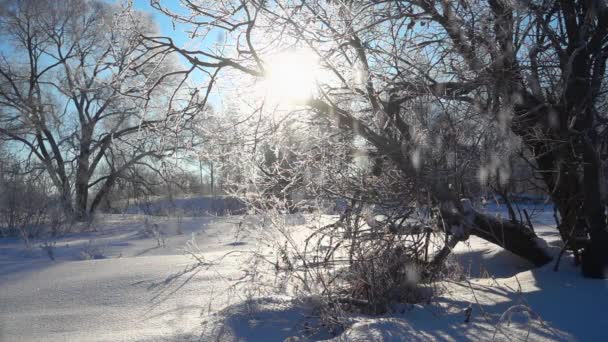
point(578, 200)
point(66, 199)
point(83, 172)
point(512, 236)
point(595, 255)
point(212, 179)
point(570, 167)
point(103, 193)
point(82, 196)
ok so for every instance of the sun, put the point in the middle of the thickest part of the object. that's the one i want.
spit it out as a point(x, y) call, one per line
point(291, 77)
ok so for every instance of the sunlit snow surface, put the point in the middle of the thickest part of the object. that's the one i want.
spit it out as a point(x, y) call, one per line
point(137, 291)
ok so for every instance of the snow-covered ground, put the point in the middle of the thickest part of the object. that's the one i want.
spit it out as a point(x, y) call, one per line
point(123, 283)
point(132, 291)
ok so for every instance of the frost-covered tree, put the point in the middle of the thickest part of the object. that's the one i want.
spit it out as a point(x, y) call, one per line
point(76, 95)
point(529, 71)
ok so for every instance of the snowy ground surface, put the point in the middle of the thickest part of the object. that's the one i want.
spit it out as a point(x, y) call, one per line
point(122, 283)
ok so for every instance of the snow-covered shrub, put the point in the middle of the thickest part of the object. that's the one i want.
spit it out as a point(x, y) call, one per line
point(179, 216)
point(49, 248)
point(357, 262)
point(377, 251)
point(153, 230)
point(92, 251)
point(26, 206)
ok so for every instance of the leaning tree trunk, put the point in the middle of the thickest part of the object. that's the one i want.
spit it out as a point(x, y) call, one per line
point(103, 192)
point(512, 236)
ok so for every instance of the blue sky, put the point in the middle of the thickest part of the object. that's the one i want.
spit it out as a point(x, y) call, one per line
point(164, 22)
point(176, 31)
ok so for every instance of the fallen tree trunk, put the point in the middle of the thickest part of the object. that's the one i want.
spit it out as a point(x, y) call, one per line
point(515, 237)
point(512, 236)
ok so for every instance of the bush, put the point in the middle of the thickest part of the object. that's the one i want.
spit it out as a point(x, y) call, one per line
point(26, 207)
point(91, 251)
point(360, 264)
point(355, 263)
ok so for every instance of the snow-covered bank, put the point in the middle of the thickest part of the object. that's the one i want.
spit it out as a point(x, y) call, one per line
point(141, 291)
point(131, 293)
point(531, 305)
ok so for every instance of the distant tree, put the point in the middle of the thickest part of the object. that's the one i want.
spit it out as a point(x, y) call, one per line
point(76, 94)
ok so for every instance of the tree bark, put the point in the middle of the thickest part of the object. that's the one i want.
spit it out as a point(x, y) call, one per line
point(83, 170)
point(82, 195)
point(66, 199)
point(103, 192)
point(515, 237)
point(512, 236)
point(576, 194)
point(595, 255)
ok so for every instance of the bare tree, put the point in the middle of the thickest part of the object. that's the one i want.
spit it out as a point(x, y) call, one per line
point(75, 92)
